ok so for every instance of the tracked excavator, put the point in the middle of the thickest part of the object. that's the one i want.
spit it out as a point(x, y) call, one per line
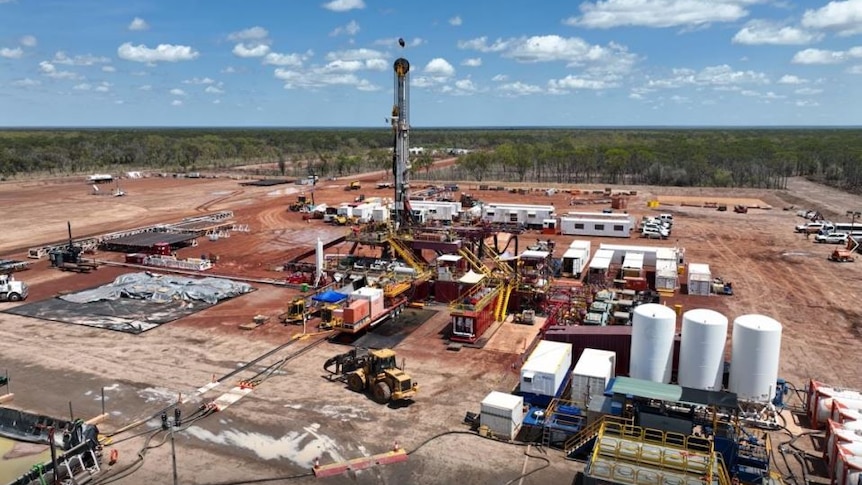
point(374, 372)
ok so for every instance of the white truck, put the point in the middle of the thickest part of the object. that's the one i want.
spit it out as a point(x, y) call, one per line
point(12, 289)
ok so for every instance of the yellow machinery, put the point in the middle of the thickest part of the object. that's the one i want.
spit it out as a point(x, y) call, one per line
point(297, 312)
point(328, 320)
point(374, 372)
point(355, 185)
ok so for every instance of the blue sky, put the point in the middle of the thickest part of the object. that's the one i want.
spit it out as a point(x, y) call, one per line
point(474, 63)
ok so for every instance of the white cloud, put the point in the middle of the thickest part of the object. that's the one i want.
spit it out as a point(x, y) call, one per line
point(806, 103)
point(138, 24)
point(276, 59)
point(352, 28)
point(213, 90)
point(28, 41)
point(82, 87)
point(604, 14)
point(26, 82)
point(821, 56)
point(199, 81)
point(465, 87)
point(256, 34)
point(577, 83)
point(217, 101)
point(146, 87)
point(719, 77)
point(366, 85)
point(576, 52)
point(759, 32)
point(11, 53)
point(119, 101)
point(456, 21)
point(50, 70)
point(474, 62)
point(85, 60)
point(519, 89)
point(250, 50)
point(500, 78)
point(855, 70)
point(791, 79)
point(439, 67)
point(109, 69)
point(103, 87)
point(355, 55)
point(344, 5)
point(808, 91)
point(843, 17)
point(176, 102)
point(161, 53)
point(315, 78)
point(177, 92)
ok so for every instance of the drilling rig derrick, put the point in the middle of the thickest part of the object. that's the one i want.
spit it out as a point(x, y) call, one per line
point(401, 144)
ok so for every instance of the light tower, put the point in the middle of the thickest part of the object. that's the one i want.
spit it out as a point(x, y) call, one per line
point(401, 148)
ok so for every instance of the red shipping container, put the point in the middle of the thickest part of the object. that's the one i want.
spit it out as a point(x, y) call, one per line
point(356, 311)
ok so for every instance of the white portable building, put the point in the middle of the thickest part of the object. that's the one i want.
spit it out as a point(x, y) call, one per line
point(666, 275)
point(546, 369)
point(529, 215)
point(595, 368)
point(345, 210)
point(437, 210)
point(599, 215)
point(380, 214)
point(581, 243)
point(699, 279)
point(582, 226)
point(502, 413)
point(600, 264)
point(575, 261)
point(650, 252)
point(633, 264)
point(364, 212)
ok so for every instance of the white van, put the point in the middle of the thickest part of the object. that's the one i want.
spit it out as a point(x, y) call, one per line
point(815, 227)
point(668, 218)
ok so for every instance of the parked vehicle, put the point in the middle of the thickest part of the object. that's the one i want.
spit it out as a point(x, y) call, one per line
point(831, 238)
point(651, 233)
point(665, 232)
point(814, 227)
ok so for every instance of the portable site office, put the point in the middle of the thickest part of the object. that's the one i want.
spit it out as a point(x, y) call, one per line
point(580, 226)
point(529, 215)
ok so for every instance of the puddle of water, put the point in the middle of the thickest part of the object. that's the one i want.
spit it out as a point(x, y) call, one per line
point(12, 468)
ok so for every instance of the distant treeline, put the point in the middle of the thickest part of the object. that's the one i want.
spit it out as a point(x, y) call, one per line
point(683, 157)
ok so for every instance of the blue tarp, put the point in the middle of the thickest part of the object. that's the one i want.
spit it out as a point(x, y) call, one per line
point(329, 296)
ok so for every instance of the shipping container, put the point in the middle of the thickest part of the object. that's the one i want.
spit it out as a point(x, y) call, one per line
point(356, 311)
point(615, 338)
point(594, 370)
point(367, 293)
point(699, 279)
point(546, 369)
point(502, 413)
point(574, 261)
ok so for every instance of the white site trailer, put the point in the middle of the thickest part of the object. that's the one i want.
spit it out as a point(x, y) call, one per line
point(529, 215)
point(575, 259)
point(364, 212)
point(599, 265)
point(438, 210)
point(597, 226)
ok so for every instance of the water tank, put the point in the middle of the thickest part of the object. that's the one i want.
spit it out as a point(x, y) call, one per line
point(755, 349)
point(701, 352)
point(653, 332)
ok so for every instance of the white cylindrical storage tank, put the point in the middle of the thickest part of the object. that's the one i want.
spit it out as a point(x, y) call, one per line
point(653, 332)
point(701, 352)
point(754, 358)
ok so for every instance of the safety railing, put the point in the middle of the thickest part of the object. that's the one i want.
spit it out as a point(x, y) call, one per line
point(503, 303)
point(475, 263)
point(589, 432)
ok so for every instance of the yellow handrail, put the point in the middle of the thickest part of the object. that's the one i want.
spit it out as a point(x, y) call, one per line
point(474, 262)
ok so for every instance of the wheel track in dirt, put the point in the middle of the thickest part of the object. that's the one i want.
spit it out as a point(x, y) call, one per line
point(206, 206)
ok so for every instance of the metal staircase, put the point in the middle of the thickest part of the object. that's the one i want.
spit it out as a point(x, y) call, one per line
point(503, 302)
point(588, 433)
point(475, 263)
point(407, 255)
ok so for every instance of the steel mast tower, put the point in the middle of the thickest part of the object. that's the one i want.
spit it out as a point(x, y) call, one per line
point(401, 149)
